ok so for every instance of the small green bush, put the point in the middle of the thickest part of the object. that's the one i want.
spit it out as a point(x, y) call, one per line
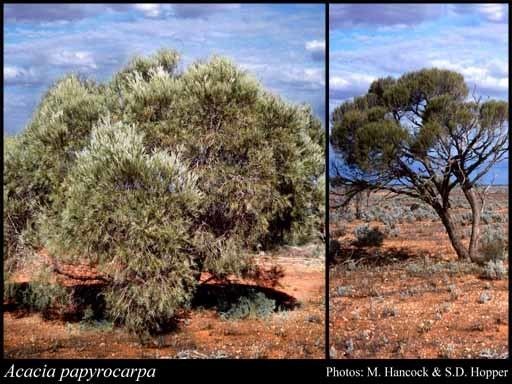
point(493, 245)
point(366, 237)
point(255, 305)
point(41, 294)
point(494, 270)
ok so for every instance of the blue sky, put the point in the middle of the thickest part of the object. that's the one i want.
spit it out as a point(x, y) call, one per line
point(375, 40)
point(282, 45)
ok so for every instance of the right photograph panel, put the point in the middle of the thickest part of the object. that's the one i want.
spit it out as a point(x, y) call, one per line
point(418, 216)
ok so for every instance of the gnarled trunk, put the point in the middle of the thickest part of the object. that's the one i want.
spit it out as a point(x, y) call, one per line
point(453, 233)
point(475, 223)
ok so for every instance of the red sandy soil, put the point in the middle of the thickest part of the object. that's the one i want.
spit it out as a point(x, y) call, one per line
point(201, 333)
point(431, 323)
point(402, 308)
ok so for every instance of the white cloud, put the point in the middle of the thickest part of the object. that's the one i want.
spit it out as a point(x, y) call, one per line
point(498, 68)
point(101, 45)
point(253, 67)
point(82, 59)
point(348, 15)
point(11, 72)
point(303, 79)
point(316, 48)
point(343, 86)
point(480, 76)
point(350, 80)
point(150, 10)
point(315, 75)
point(337, 82)
point(315, 45)
point(493, 12)
point(493, 83)
point(14, 75)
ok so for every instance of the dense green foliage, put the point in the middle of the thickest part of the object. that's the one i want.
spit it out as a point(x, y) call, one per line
point(159, 175)
point(36, 161)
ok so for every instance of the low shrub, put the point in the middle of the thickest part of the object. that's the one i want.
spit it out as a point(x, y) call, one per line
point(493, 245)
point(255, 305)
point(389, 312)
point(484, 297)
point(485, 218)
point(366, 237)
point(342, 291)
point(494, 270)
point(42, 294)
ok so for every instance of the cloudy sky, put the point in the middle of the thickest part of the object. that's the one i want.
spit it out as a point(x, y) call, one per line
point(371, 41)
point(283, 45)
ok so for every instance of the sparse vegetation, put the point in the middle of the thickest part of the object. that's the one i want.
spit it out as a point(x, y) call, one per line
point(417, 272)
point(201, 332)
point(484, 297)
point(41, 295)
point(389, 312)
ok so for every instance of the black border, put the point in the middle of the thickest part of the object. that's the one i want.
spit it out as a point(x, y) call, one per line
point(241, 370)
point(327, 117)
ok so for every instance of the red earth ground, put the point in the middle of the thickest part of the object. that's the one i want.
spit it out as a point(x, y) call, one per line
point(201, 332)
point(411, 298)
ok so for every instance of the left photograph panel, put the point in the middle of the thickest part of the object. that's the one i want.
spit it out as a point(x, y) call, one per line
point(164, 181)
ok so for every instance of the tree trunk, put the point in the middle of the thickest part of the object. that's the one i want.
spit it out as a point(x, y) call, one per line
point(453, 233)
point(358, 199)
point(475, 223)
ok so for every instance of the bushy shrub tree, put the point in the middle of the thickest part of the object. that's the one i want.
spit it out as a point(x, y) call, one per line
point(259, 160)
point(160, 175)
point(130, 213)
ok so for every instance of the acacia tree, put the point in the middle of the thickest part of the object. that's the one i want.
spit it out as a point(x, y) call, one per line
point(160, 175)
point(420, 135)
